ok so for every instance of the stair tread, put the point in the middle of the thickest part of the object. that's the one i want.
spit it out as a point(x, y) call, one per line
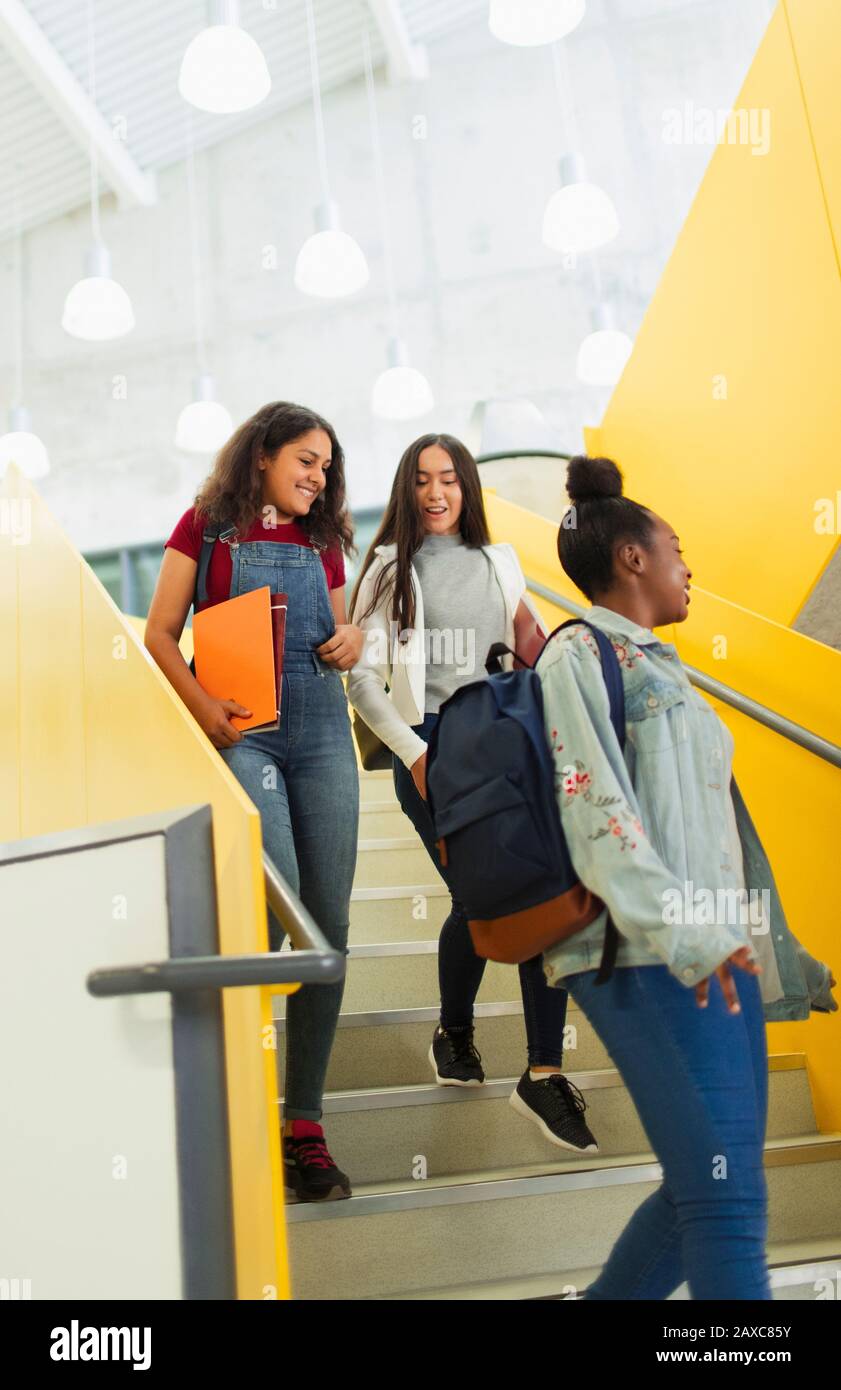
point(464, 1186)
point(591, 1078)
point(782, 1256)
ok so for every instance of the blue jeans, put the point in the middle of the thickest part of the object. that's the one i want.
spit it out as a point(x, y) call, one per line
point(460, 970)
point(699, 1080)
point(303, 778)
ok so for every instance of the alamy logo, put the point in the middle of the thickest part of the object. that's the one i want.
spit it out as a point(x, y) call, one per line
point(80, 1343)
point(449, 646)
point(718, 907)
point(701, 125)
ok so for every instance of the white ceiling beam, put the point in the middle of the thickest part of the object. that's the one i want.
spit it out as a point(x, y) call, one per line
point(30, 48)
point(407, 61)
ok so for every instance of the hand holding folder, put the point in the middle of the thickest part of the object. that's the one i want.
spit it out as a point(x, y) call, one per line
point(239, 654)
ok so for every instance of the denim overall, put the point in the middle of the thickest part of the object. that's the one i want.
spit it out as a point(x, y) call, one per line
point(303, 779)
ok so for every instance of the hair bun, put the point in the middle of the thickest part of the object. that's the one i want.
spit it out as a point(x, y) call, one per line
point(590, 478)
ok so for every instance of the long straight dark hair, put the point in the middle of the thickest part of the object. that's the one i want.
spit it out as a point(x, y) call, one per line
point(402, 525)
point(232, 493)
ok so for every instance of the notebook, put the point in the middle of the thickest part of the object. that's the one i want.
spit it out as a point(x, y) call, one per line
point(239, 655)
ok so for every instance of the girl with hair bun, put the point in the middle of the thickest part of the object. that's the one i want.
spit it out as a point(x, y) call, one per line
point(661, 834)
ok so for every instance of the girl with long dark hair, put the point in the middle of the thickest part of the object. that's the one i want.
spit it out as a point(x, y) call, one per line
point(432, 597)
point(279, 482)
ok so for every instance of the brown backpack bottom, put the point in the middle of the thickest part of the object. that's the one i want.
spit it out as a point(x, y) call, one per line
point(522, 935)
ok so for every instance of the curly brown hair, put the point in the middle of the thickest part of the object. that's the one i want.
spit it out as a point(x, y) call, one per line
point(233, 493)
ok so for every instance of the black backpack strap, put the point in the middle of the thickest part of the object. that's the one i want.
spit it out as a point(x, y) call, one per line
point(211, 533)
point(493, 664)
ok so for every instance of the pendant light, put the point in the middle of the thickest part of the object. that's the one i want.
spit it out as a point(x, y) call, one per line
point(330, 263)
point(97, 307)
point(579, 216)
point(204, 425)
point(527, 23)
point(400, 392)
point(223, 68)
point(20, 445)
point(604, 352)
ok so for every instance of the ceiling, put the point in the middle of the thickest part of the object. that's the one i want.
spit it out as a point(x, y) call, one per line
point(46, 117)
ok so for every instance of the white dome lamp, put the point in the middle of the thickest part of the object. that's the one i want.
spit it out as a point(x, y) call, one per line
point(223, 69)
point(604, 352)
point(97, 307)
point(579, 216)
point(204, 425)
point(330, 264)
point(401, 392)
point(527, 23)
point(20, 446)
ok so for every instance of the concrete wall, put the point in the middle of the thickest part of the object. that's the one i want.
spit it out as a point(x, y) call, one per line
point(487, 310)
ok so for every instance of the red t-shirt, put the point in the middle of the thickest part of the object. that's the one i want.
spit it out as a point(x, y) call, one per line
point(187, 537)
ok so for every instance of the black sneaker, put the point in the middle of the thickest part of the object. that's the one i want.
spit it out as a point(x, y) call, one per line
point(310, 1173)
point(557, 1107)
point(454, 1059)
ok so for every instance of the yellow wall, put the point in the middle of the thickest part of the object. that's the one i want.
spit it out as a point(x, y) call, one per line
point(793, 796)
point(752, 294)
point(91, 732)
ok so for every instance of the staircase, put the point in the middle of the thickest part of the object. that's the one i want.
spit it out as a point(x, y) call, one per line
point(456, 1196)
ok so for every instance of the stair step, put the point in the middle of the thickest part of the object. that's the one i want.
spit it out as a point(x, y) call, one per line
point(377, 787)
point(396, 1053)
point(394, 1238)
point(399, 913)
point(379, 1135)
point(382, 818)
point(797, 1269)
point(391, 863)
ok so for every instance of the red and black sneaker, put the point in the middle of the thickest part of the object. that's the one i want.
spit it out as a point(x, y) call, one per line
point(311, 1174)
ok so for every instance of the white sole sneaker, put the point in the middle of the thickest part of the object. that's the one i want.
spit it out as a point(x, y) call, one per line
point(448, 1080)
point(516, 1101)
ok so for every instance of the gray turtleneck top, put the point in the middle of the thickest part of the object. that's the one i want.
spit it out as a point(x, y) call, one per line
point(463, 614)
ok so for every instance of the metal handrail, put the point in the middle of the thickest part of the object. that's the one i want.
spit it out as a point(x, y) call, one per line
point(312, 960)
point(795, 733)
point(504, 454)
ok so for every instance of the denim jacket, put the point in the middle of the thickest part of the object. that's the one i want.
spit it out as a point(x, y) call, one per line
point(661, 834)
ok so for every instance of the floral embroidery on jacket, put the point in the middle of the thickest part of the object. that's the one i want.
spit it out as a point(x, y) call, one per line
point(575, 780)
point(628, 655)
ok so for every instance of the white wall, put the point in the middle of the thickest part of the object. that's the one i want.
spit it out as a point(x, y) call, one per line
point(486, 309)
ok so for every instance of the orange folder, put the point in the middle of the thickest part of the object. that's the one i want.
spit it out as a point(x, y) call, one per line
point(238, 657)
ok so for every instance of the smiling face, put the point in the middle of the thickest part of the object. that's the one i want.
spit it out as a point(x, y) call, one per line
point(296, 475)
point(438, 491)
point(664, 576)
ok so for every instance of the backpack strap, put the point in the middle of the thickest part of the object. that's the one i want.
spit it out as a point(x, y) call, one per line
point(612, 672)
point(211, 533)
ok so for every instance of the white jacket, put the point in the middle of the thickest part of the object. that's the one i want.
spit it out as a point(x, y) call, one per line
point(391, 715)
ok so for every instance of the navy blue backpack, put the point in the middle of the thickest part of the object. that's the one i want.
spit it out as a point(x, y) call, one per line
point(491, 788)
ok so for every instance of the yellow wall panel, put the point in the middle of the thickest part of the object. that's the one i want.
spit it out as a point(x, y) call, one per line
point(750, 305)
point(50, 646)
point(103, 736)
point(815, 29)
